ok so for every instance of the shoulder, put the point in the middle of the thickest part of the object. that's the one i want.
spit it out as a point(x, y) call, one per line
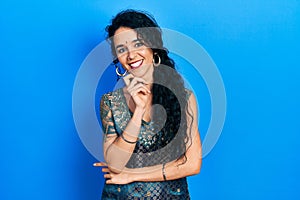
point(189, 94)
point(110, 95)
point(105, 99)
point(191, 99)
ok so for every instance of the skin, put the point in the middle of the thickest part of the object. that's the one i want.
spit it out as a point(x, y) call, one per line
point(130, 50)
point(137, 58)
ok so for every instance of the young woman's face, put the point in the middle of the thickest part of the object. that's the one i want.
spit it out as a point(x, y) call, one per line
point(132, 53)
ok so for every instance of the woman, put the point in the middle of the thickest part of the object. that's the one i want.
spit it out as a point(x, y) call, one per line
point(151, 140)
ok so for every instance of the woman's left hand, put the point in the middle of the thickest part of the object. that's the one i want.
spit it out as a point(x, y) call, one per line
point(113, 178)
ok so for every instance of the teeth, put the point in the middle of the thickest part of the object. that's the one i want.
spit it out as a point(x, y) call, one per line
point(136, 64)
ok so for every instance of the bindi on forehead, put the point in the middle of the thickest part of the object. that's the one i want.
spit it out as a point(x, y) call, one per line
point(125, 41)
point(125, 35)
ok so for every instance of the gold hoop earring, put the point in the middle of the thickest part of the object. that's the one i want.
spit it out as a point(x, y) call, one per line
point(158, 63)
point(119, 74)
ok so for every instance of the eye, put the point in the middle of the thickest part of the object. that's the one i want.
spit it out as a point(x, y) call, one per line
point(120, 50)
point(138, 44)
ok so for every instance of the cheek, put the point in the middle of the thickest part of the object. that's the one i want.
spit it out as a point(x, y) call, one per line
point(148, 54)
point(122, 59)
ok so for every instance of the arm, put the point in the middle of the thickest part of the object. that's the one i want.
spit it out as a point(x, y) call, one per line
point(117, 150)
point(174, 169)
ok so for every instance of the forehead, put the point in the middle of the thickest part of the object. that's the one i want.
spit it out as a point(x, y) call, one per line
point(124, 35)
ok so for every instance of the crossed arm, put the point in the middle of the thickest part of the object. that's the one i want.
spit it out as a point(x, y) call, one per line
point(117, 153)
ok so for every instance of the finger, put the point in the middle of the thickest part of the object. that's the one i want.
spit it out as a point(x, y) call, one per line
point(104, 169)
point(107, 176)
point(137, 87)
point(100, 164)
point(137, 81)
point(139, 91)
point(127, 79)
point(109, 181)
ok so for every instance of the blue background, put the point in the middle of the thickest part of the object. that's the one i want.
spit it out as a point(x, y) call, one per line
point(255, 45)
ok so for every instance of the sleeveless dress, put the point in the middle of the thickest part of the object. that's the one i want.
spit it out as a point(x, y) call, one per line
point(146, 153)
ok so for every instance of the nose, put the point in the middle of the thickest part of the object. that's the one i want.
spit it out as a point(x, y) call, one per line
point(131, 55)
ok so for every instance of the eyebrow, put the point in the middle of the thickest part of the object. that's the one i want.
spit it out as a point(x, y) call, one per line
point(133, 41)
point(119, 46)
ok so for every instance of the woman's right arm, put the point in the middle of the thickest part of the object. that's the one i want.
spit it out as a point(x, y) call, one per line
point(118, 149)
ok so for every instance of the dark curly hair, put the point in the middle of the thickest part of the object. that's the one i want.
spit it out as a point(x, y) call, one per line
point(168, 86)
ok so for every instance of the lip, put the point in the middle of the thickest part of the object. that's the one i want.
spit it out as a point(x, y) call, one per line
point(136, 64)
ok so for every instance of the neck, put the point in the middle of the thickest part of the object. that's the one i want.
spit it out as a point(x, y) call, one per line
point(148, 77)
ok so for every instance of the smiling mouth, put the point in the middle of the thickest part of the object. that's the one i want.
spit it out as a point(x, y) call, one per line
point(136, 64)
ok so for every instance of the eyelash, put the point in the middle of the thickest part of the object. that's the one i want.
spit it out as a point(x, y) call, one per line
point(121, 50)
point(139, 44)
point(136, 45)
